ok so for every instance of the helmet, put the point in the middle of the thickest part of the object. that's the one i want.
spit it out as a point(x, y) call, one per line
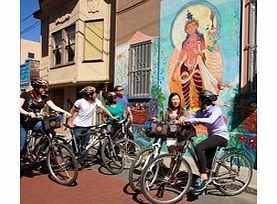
point(88, 90)
point(207, 95)
point(37, 82)
point(111, 95)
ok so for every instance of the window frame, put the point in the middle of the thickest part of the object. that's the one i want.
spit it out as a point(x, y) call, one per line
point(64, 54)
point(31, 53)
point(139, 69)
point(68, 44)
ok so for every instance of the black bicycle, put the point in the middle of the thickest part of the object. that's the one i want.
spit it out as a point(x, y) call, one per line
point(129, 149)
point(44, 147)
point(231, 173)
point(89, 152)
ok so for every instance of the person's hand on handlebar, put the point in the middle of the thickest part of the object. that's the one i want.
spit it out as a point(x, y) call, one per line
point(31, 114)
point(67, 114)
point(69, 122)
point(115, 119)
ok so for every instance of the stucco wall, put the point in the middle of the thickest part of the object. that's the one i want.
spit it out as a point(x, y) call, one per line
point(29, 46)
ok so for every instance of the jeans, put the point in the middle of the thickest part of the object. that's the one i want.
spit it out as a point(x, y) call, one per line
point(24, 128)
point(82, 139)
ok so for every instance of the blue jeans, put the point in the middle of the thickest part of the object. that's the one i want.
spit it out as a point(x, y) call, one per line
point(24, 128)
point(82, 139)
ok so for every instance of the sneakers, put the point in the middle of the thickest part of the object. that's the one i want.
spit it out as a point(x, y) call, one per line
point(200, 185)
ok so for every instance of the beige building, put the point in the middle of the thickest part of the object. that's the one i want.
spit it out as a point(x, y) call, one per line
point(29, 50)
point(76, 45)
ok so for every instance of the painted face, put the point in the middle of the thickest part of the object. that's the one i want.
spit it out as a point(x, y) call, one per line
point(191, 28)
point(175, 101)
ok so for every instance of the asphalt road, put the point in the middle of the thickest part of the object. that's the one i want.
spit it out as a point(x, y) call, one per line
point(98, 186)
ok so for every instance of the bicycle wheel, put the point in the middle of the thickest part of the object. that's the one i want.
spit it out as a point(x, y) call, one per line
point(112, 157)
point(162, 186)
point(234, 172)
point(130, 149)
point(137, 166)
point(62, 164)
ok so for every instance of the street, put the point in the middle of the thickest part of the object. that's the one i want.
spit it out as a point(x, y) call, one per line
point(98, 186)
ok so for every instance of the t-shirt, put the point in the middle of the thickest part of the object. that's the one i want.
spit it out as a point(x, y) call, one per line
point(84, 117)
point(123, 101)
point(32, 105)
point(117, 111)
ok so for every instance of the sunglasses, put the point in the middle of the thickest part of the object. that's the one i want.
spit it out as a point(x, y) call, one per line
point(120, 89)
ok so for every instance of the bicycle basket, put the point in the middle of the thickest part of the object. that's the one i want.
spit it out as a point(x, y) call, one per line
point(159, 129)
point(51, 122)
point(188, 131)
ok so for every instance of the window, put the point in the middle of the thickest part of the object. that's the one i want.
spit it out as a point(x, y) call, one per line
point(64, 46)
point(94, 38)
point(70, 47)
point(57, 48)
point(31, 55)
point(139, 69)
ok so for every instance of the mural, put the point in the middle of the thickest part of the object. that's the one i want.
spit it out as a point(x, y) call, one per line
point(198, 48)
point(198, 64)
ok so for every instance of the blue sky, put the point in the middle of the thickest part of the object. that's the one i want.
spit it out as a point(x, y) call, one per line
point(30, 27)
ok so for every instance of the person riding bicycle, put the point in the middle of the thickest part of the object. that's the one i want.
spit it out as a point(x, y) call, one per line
point(82, 116)
point(212, 117)
point(116, 109)
point(31, 103)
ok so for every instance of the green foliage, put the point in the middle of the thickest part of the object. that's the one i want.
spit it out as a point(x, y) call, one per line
point(156, 92)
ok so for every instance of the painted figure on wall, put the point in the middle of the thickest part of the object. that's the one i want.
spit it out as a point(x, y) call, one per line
point(199, 64)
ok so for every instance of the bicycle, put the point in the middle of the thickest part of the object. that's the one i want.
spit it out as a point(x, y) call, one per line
point(44, 147)
point(91, 150)
point(142, 159)
point(231, 173)
point(129, 148)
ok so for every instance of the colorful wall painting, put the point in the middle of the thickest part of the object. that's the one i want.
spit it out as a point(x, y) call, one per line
point(198, 48)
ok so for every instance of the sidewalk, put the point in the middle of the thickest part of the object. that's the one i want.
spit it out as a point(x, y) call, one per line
point(252, 188)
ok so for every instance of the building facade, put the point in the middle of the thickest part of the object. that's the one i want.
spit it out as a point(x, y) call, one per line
point(29, 50)
point(30, 54)
point(77, 44)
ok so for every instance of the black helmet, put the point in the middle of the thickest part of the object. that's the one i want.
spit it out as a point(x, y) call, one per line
point(111, 95)
point(207, 95)
point(38, 82)
point(88, 90)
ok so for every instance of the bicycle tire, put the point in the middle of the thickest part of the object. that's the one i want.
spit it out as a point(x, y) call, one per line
point(66, 172)
point(166, 188)
point(130, 149)
point(112, 160)
point(137, 166)
point(241, 164)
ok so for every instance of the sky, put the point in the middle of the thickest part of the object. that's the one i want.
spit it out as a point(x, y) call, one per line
point(29, 26)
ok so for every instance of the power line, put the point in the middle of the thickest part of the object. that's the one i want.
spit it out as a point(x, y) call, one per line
point(26, 18)
point(30, 27)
